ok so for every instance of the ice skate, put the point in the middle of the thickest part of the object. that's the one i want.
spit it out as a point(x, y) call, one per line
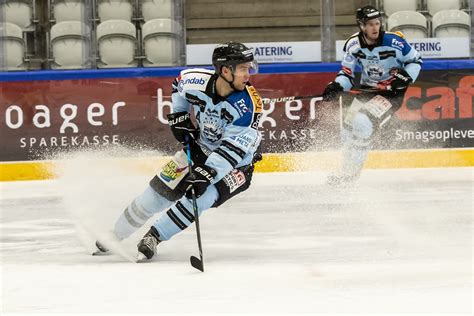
point(148, 243)
point(101, 249)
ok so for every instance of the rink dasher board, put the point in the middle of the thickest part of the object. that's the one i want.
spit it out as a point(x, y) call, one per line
point(282, 162)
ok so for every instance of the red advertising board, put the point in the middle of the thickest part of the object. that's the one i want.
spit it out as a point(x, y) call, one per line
point(42, 117)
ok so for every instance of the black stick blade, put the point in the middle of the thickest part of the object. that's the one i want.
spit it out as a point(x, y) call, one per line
point(196, 263)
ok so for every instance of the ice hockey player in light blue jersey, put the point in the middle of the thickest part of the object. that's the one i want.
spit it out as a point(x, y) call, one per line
point(224, 147)
point(389, 64)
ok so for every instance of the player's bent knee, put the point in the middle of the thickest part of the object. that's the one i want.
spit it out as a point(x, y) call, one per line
point(362, 126)
point(169, 182)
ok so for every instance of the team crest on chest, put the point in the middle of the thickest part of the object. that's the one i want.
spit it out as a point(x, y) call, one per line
point(212, 125)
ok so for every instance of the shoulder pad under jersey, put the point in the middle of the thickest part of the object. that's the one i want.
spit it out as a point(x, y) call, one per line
point(396, 40)
point(193, 79)
point(352, 43)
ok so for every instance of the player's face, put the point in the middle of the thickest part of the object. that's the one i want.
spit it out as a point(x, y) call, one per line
point(242, 73)
point(371, 29)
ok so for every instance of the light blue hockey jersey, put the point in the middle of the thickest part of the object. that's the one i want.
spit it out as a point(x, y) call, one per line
point(228, 126)
point(391, 51)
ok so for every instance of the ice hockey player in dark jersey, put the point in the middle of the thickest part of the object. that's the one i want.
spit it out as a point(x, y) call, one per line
point(224, 147)
point(389, 64)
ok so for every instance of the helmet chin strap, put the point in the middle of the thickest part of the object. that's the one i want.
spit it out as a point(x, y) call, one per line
point(231, 83)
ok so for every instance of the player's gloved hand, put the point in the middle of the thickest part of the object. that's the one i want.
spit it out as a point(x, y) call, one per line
point(200, 178)
point(257, 156)
point(182, 126)
point(401, 80)
point(331, 91)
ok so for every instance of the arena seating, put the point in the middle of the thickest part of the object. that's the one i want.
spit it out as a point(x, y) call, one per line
point(434, 6)
point(11, 40)
point(114, 10)
point(68, 10)
point(19, 13)
point(157, 9)
point(68, 44)
point(411, 23)
point(451, 23)
point(160, 42)
point(117, 44)
point(392, 6)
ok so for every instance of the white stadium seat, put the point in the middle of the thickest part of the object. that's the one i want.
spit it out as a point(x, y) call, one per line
point(11, 40)
point(435, 6)
point(451, 23)
point(161, 42)
point(117, 42)
point(68, 10)
point(18, 12)
point(412, 24)
point(68, 44)
point(157, 9)
point(392, 6)
point(115, 10)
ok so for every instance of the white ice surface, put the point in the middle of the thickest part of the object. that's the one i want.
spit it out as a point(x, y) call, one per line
point(400, 242)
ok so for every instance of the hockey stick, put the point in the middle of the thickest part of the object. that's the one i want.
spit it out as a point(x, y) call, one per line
point(195, 262)
point(292, 98)
point(318, 97)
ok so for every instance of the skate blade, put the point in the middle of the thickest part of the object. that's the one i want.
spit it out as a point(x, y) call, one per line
point(141, 257)
point(114, 245)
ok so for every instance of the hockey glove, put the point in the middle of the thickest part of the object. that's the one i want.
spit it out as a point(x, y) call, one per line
point(331, 91)
point(181, 126)
point(257, 156)
point(200, 178)
point(401, 80)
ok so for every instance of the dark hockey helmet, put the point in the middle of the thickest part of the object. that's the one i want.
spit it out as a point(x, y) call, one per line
point(367, 13)
point(231, 54)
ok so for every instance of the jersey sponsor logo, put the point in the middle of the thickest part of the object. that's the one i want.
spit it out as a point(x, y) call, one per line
point(242, 106)
point(194, 81)
point(257, 106)
point(243, 140)
point(397, 43)
point(234, 180)
point(256, 99)
point(189, 81)
point(352, 44)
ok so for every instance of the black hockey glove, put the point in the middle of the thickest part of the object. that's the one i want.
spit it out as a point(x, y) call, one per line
point(332, 90)
point(257, 156)
point(200, 178)
point(401, 81)
point(181, 126)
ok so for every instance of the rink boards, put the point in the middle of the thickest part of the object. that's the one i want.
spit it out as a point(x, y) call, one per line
point(45, 115)
point(308, 161)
